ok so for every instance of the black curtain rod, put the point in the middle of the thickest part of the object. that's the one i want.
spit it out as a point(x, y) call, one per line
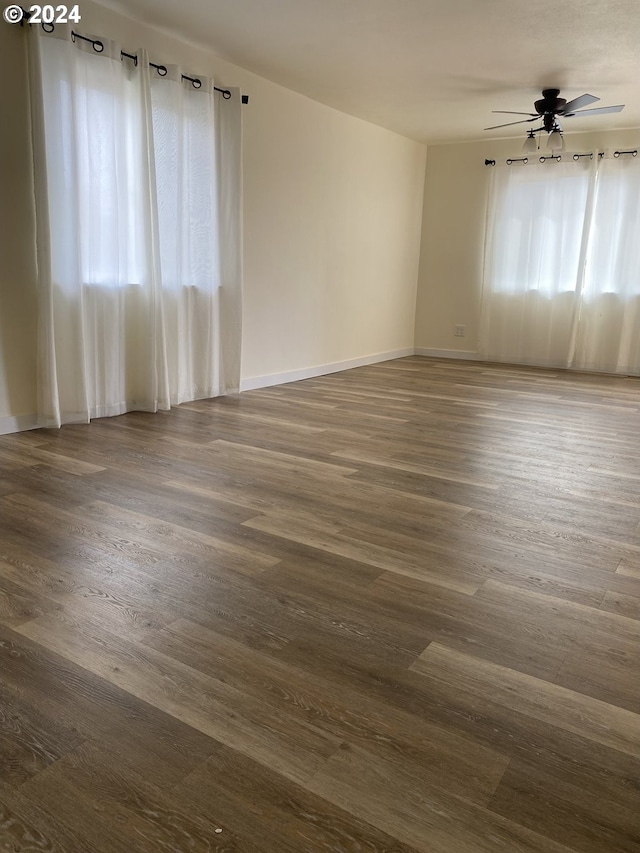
point(98, 46)
point(557, 157)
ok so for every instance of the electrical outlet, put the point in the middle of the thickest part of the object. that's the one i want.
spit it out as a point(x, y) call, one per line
point(459, 331)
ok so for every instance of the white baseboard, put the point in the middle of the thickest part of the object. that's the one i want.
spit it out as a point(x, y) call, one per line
point(18, 423)
point(252, 383)
point(466, 355)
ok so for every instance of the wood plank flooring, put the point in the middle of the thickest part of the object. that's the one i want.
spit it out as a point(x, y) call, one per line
point(392, 609)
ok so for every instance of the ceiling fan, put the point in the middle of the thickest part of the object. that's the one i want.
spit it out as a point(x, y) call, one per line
point(550, 107)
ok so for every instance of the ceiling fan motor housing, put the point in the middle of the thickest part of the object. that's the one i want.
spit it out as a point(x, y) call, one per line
point(548, 107)
point(549, 102)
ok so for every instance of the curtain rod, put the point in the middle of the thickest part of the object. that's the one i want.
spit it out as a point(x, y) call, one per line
point(558, 157)
point(98, 46)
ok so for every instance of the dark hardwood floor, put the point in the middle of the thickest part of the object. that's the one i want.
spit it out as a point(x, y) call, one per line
point(393, 609)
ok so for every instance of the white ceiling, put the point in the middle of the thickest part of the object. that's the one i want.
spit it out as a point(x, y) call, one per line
point(429, 69)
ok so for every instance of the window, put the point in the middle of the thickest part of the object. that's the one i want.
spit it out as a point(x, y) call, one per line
point(131, 170)
point(539, 223)
point(562, 265)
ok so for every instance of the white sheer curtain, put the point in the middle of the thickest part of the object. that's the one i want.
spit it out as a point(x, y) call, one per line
point(608, 334)
point(561, 274)
point(139, 232)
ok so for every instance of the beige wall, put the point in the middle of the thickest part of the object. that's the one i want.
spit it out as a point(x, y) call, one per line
point(332, 235)
point(456, 183)
point(332, 216)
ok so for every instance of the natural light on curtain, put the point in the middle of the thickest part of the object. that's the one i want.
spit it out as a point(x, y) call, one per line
point(562, 264)
point(137, 176)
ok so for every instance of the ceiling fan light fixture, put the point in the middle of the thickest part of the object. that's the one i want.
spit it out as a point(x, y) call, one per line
point(556, 140)
point(530, 144)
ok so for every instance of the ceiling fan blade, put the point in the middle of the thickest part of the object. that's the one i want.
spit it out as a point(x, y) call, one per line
point(509, 123)
point(514, 113)
point(596, 111)
point(576, 103)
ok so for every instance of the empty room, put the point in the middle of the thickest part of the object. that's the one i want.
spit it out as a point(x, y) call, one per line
point(320, 427)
